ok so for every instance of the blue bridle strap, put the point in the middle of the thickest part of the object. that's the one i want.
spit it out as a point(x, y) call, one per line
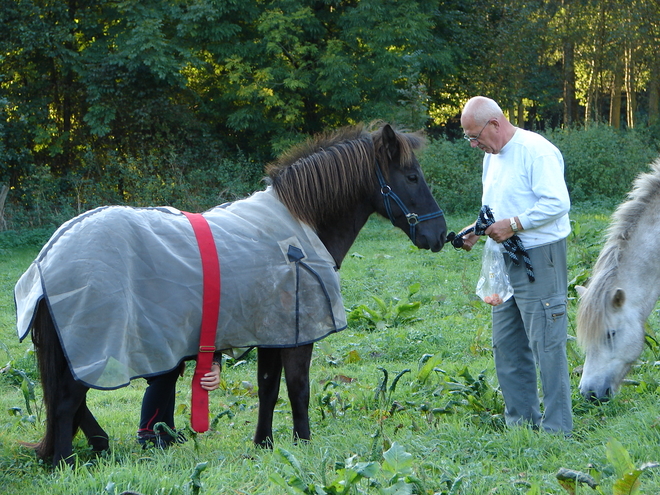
point(388, 194)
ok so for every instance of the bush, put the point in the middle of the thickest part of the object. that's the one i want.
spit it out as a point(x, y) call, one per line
point(602, 162)
point(453, 171)
point(188, 179)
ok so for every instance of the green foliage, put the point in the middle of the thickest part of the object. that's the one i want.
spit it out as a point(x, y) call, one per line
point(136, 102)
point(21, 374)
point(463, 394)
point(392, 313)
point(32, 238)
point(453, 170)
point(186, 179)
point(602, 162)
point(627, 481)
point(394, 476)
point(195, 478)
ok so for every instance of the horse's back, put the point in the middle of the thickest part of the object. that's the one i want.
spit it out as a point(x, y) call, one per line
point(124, 287)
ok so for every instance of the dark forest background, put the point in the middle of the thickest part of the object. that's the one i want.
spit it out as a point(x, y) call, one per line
point(183, 102)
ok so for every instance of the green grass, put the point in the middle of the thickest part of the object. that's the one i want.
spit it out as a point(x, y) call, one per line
point(446, 416)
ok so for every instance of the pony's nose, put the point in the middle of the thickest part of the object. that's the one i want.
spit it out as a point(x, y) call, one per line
point(435, 244)
point(594, 397)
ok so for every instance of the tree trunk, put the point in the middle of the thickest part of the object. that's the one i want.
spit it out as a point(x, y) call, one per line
point(654, 93)
point(591, 107)
point(591, 110)
point(521, 115)
point(631, 103)
point(570, 103)
point(615, 100)
point(4, 190)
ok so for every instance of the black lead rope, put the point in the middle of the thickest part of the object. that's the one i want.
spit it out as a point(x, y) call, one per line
point(513, 245)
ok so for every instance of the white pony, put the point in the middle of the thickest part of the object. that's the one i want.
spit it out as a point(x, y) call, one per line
point(622, 291)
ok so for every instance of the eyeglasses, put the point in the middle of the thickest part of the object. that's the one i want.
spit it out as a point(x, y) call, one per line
point(473, 139)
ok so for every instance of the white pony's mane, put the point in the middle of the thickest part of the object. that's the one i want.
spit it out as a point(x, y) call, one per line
point(593, 304)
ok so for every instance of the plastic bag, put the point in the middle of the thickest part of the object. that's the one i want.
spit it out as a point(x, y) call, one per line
point(493, 286)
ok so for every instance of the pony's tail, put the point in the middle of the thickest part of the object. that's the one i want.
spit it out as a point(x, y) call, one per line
point(51, 361)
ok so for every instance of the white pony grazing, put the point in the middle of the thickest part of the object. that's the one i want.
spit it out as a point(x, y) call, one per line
point(622, 291)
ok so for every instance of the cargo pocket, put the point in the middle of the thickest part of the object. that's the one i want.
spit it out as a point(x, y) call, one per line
point(556, 320)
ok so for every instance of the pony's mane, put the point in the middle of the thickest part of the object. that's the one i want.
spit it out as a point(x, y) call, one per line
point(591, 311)
point(327, 175)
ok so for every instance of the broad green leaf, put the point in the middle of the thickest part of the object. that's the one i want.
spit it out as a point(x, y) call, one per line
point(414, 289)
point(381, 304)
point(353, 357)
point(399, 488)
point(294, 486)
point(618, 457)
point(426, 370)
point(629, 483)
point(366, 469)
point(406, 309)
point(397, 460)
point(290, 459)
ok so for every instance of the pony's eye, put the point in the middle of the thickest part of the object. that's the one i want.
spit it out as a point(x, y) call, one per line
point(610, 335)
point(413, 178)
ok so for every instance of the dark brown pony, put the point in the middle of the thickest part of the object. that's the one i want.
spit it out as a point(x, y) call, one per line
point(333, 183)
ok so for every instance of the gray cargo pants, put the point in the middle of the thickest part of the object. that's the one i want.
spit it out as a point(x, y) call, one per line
point(530, 329)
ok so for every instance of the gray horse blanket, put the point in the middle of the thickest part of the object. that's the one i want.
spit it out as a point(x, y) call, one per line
point(124, 286)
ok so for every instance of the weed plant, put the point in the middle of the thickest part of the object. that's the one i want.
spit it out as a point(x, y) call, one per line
point(400, 403)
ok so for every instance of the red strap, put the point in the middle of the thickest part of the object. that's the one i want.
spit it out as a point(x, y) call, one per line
point(199, 410)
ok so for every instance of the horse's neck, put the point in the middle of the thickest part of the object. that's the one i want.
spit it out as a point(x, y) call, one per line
point(638, 273)
point(339, 235)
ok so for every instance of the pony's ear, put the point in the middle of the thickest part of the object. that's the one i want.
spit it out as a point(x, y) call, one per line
point(390, 141)
point(618, 298)
point(581, 290)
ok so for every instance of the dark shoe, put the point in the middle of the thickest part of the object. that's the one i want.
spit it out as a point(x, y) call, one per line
point(148, 438)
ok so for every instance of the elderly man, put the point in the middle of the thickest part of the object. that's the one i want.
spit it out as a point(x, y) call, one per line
point(523, 183)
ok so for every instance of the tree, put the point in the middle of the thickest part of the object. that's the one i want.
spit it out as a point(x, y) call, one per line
point(301, 66)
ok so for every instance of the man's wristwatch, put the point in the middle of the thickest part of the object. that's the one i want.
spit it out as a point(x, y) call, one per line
point(514, 224)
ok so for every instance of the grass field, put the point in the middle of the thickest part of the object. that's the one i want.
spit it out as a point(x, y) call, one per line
point(401, 402)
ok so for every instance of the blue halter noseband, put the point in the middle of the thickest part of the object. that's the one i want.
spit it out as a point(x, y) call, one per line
point(413, 218)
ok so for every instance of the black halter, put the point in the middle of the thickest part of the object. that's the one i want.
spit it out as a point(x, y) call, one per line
point(413, 218)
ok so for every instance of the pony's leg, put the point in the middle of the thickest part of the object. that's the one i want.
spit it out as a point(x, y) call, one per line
point(97, 438)
point(269, 372)
point(64, 397)
point(65, 415)
point(296, 371)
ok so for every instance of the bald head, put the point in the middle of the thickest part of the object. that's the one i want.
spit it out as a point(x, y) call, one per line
point(485, 125)
point(480, 110)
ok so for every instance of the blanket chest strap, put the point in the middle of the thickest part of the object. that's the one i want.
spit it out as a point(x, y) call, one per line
point(199, 410)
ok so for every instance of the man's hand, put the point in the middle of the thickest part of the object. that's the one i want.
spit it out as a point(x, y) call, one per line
point(493, 300)
point(469, 240)
point(500, 231)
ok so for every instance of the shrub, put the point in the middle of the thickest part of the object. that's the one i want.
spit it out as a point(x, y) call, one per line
point(453, 171)
point(188, 179)
point(602, 162)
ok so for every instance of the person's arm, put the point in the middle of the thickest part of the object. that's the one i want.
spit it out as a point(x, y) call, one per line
point(549, 187)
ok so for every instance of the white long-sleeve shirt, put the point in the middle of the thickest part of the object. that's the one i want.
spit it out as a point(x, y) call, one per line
point(526, 179)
